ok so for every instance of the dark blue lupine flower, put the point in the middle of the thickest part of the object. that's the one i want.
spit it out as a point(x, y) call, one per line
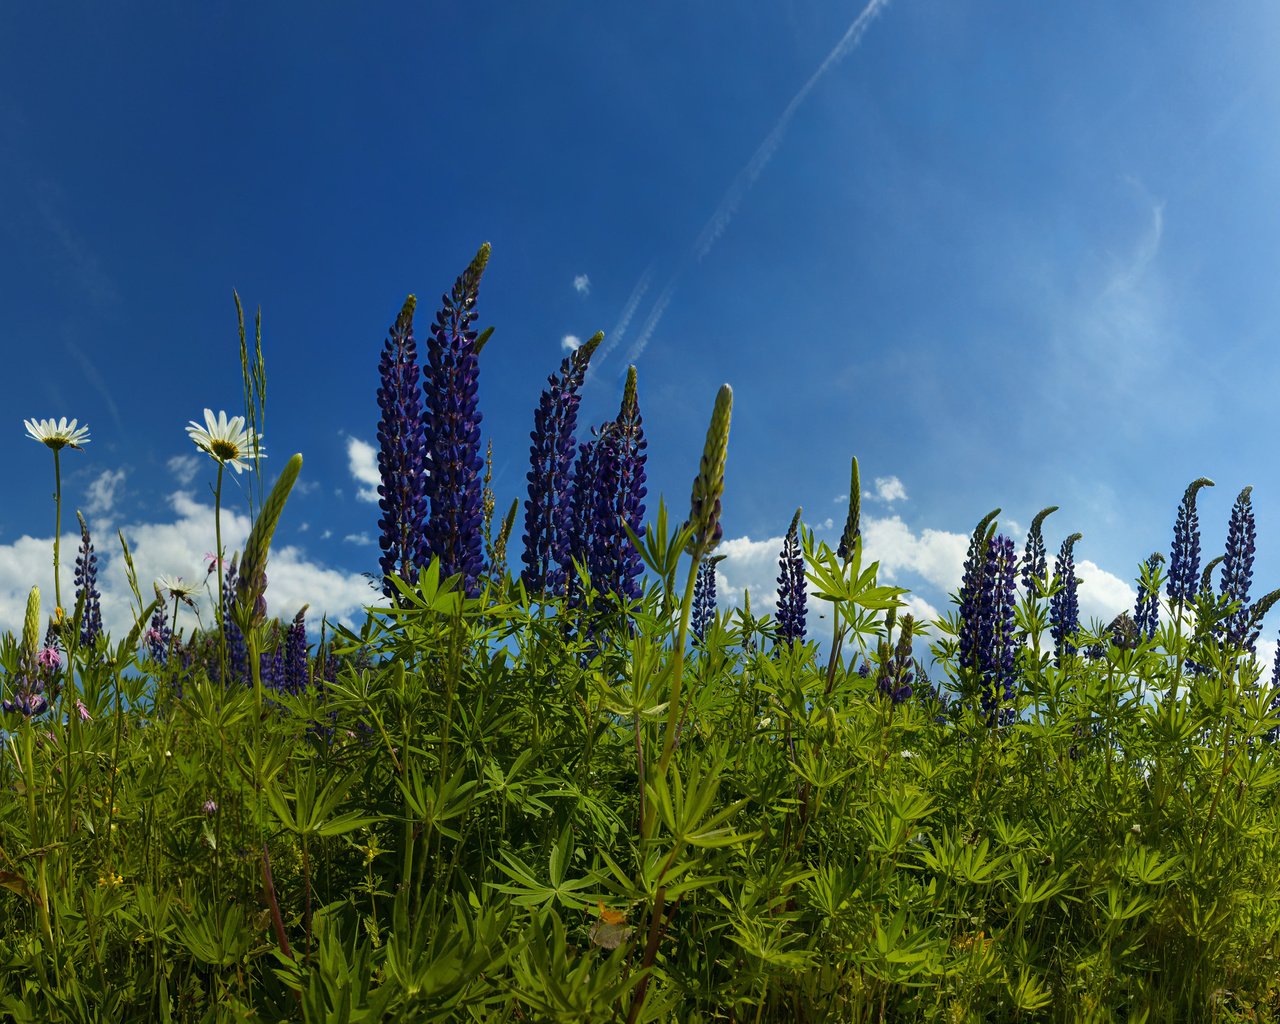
point(704, 597)
point(1274, 732)
point(1035, 565)
point(271, 668)
point(1146, 613)
point(451, 420)
point(237, 649)
point(87, 596)
point(1064, 606)
point(999, 662)
point(158, 634)
point(791, 587)
point(628, 500)
point(974, 630)
point(401, 456)
point(296, 674)
point(584, 522)
point(1237, 565)
point(1184, 559)
point(548, 511)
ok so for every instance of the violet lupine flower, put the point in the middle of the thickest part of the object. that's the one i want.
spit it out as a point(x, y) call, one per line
point(999, 664)
point(87, 596)
point(897, 668)
point(296, 674)
point(237, 649)
point(973, 628)
point(1237, 566)
point(451, 419)
point(1035, 564)
point(627, 501)
point(579, 545)
point(271, 668)
point(401, 456)
point(1146, 613)
point(1064, 606)
point(548, 511)
point(704, 597)
point(1184, 559)
point(158, 634)
point(791, 587)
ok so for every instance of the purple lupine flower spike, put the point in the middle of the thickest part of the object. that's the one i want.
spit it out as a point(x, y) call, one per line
point(1146, 613)
point(1184, 559)
point(896, 675)
point(237, 649)
point(87, 596)
point(1237, 565)
point(451, 420)
point(401, 456)
point(704, 597)
point(791, 587)
point(1035, 565)
point(1001, 662)
point(296, 674)
point(973, 626)
point(631, 488)
point(548, 515)
point(1064, 606)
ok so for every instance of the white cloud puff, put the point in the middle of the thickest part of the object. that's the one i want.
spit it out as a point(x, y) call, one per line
point(102, 493)
point(184, 468)
point(362, 460)
point(889, 489)
point(570, 343)
point(582, 284)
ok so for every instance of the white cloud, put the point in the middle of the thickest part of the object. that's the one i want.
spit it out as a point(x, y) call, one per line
point(184, 468)
point(176, 548)
point(102, 493)
point(326, 535)
point(935, 555)
point(362, 460)
point(749, 565)
point(582, 284)
point(890, 489)
point(570, 343)
point(358, 538)
point(1102, 595)
point(303, 527)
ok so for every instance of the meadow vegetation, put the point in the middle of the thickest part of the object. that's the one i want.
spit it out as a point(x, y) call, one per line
point(581, 790)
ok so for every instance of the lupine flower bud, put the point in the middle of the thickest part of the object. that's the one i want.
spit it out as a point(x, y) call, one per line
point(853, 522)
point(1064, 606)
point(452, 424)
point(791, 587)
point(1237, 565)
point(401, 456)
point(896, 673)
point(87, 596)
point(708, 485)
point(296, 674)
point(1035, 565)
point(1146, 613)
point(28, 696)
point(1184, 559)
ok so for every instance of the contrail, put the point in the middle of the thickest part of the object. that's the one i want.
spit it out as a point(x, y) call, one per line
point(741, 185)
point(612, 339)
point(719, 221)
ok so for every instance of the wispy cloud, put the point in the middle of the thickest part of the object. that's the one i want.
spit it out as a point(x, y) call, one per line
point(99, 385)
point(184, 468)
point(582, 284)
point(570, 343)
point(362, 461)
point(889, 489)
point(733, 196)
point(83, 262)
point(615, 336)
point(102, 492)
point(361, 538)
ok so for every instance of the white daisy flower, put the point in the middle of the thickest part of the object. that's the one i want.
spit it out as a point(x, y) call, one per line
point(57, 433)
point(226, 440)
point(176, 586)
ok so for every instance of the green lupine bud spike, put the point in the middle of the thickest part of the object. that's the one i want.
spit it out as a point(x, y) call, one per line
point(1260, 609)
point(131, 641)
point(476, 269)
point(504, 534)
point(31, 627)
point(1206, 577)
point(708, 485)
point(482, 339)
point(1070, 542)
point(629, 389)
point(406, 311)
point(853, 523)
point(987, 521)
point(252, 584)
point(1041, 516)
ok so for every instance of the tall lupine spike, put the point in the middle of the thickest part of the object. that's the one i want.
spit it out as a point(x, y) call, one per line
point(791, 586)
point(708, 485)
point(27, 684)
point(897, 668)
point(972, 625)
point(853, 521)
point(1237, 565)
point(158, 633)
point(704, 597)
point(630, 509)
point(548, 519)
point(1000, 666)
point(88, 600)
point(451, 419)
point(498, 564)
point(296, 665)
point(1206, 575)
point(237, 650)
point(251, 588)
point(1035, 563)
point(401, 456)
point(1146, 613)
point(1256, 614)
point(580, 536)
point(1184, 559)
point(1064, 606)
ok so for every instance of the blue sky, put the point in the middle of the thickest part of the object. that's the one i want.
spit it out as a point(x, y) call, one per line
point(1008, 255)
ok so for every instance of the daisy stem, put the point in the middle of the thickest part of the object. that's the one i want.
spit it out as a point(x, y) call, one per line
point(57, 530)
point(217, 553)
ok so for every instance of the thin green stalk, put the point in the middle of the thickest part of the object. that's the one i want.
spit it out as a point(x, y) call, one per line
point(677, 680)
point(217, 554)
point(57, 532)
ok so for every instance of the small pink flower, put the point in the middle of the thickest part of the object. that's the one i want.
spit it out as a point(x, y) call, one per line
point(210, 808)
point(49, 659)
point(153, 636)
point(212, 561)
point(84, 711)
